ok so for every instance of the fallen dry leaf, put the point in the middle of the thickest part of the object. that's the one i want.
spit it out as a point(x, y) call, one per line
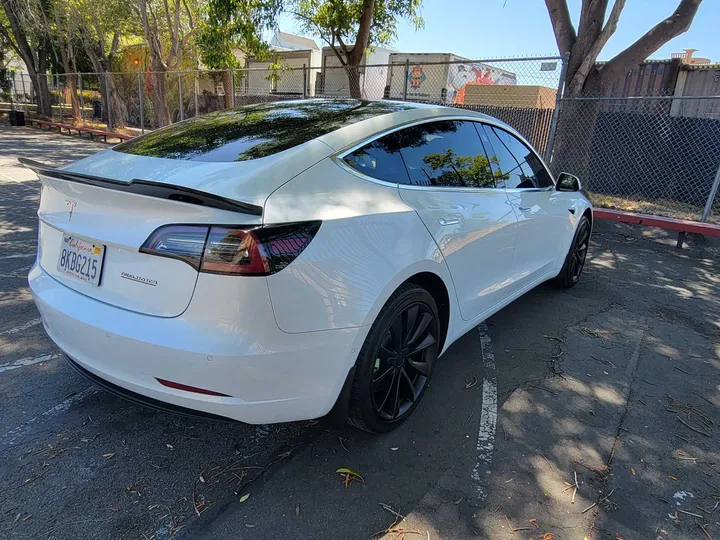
point(244, 497)
point(632, 471)
point(547, 536)
point(672, 477)
point(297, 509)
point(109, 456)
point(170, 446)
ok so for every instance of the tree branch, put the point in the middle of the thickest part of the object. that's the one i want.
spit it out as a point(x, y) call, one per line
point(655, 38)
point(589, 58)
point(562, 24)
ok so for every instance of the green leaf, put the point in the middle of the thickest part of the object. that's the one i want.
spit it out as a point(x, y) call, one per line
point(244, 497)
point(344, 470)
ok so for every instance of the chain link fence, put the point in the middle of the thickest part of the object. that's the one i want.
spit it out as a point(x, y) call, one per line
point(658, 155)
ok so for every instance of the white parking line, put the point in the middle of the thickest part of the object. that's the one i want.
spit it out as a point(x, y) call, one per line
point(488, 416)
point(22, 327)
point(13, 434)
point(18, 256)
point(17, 364)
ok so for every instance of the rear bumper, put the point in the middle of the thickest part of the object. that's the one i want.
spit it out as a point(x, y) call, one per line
point(227, 341)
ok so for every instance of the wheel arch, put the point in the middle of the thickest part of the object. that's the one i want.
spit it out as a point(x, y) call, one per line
point(434, 284)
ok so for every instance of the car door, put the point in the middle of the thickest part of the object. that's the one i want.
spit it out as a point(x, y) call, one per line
point(542, 213)
point(455, 193)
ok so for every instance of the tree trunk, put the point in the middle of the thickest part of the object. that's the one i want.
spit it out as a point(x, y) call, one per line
point(229, 88)
point(353, 73)
point(574, 138)
point(117, 105)
point(72, 84)
point(162, 113)
point(42, 91)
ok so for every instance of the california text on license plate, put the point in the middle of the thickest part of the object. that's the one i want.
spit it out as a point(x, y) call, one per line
point(81, 259)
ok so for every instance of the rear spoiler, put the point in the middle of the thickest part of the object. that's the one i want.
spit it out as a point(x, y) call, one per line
point(147, 188)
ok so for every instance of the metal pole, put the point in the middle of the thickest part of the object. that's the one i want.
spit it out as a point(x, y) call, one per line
point(304, 81)
point(180, 97)
point(140, 98)
point(556, 112)
point(22, 80)
point(196, 88)
point(82, 99)
point(232, 86)
point(107, 100)
point(405, 82)
point(711, 196)
point(57, 92)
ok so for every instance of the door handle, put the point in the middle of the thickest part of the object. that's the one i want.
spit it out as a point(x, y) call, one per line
point(448, 221)
point(524, 208)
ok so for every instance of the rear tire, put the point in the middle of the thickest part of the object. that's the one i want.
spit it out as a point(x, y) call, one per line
point(396, 361)
point(575, 260)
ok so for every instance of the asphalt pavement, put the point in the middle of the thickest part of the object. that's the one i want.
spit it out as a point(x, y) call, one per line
point(606, 395)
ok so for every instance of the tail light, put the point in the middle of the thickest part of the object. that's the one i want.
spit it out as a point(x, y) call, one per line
point(232, 250)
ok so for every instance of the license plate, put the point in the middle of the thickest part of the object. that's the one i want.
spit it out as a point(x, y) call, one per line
point(81, 259)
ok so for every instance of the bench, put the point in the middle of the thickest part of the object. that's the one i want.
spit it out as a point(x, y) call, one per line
point(683, 226)
point(80, 129)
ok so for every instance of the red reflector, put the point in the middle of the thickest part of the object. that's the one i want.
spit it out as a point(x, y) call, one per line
point(186, 388)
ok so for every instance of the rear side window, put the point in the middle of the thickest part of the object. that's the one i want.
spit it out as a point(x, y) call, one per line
point(380, 159)
point(255, 131)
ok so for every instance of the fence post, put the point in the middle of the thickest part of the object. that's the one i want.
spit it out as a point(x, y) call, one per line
point(140, 99)
point(82, 99)
point(22, 80)
point(107, 101)
point(711, 196)
point(304, 81)
point(405, 81)
point(196, 89)
point(556, 112)
point(232, 87)
point(181, 106)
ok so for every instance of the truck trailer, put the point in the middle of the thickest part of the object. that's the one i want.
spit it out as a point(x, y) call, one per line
point(439, 77)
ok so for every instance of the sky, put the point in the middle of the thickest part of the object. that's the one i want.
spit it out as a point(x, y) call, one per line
point(484, 29)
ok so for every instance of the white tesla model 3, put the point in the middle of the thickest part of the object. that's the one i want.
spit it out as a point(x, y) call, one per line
point(269, 262)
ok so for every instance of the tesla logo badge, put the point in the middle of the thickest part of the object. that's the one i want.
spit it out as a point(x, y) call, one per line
point(71, 204)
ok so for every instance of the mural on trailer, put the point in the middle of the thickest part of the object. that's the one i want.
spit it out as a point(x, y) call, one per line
point(461, 75)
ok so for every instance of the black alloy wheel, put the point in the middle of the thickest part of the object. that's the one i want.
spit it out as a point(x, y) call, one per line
point(397, 360)
point(579, 250)
point(575, 259)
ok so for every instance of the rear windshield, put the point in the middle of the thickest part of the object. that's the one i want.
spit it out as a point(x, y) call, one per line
point(254, 131)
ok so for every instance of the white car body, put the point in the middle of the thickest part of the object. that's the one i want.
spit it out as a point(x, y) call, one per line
point(279, 348)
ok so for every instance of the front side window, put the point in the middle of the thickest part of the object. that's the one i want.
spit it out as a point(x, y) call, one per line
point(533, 173)
point(445, 154)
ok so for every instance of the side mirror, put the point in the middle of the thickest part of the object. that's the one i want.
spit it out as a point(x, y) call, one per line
point(568, 182)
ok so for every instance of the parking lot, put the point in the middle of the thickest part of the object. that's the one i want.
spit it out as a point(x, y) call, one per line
point(588, 412)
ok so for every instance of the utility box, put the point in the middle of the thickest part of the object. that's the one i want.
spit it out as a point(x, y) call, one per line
point(439, 77)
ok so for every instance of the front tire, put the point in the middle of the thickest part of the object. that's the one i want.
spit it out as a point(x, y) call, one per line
point(396, 361)
point(575, 260)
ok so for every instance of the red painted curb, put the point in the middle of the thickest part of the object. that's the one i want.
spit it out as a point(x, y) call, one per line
point(682, 225)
